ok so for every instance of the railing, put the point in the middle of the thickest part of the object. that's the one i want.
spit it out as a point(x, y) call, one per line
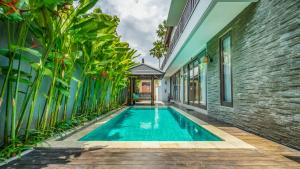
point(185, 16)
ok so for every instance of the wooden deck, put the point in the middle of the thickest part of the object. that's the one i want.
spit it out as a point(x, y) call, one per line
point(268, 155)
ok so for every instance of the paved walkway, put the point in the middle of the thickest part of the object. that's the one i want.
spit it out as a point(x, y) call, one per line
point(268, 155)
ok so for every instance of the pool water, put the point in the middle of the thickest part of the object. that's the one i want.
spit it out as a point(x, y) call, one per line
point(150, 124)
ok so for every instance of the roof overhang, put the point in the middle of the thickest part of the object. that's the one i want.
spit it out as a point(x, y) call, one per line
point(147, 77)
point(175, 12)
point(209, 18)
point(144, 71)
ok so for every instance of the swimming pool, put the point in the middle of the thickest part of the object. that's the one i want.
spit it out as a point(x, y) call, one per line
point(150, 124)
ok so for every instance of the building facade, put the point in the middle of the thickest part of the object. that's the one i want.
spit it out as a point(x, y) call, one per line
point(239, 62)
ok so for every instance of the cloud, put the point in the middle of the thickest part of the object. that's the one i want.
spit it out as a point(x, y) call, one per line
point(139, 21)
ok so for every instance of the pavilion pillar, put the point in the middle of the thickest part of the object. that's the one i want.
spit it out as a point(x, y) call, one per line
point(129, 92)
point(152, 90)
point(133, 90)
point(130, 101)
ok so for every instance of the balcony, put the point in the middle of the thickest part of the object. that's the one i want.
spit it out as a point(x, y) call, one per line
point(185, 16)
point(199, 21)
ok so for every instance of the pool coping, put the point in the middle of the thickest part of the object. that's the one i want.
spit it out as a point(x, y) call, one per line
point(228, 141)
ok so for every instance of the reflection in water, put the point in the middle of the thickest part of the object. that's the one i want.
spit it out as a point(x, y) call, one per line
point(195, 131)
point(150, 124)
point(144, 125)
point(156, 119)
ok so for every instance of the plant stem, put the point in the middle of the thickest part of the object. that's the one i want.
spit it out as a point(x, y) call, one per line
point(22, 37)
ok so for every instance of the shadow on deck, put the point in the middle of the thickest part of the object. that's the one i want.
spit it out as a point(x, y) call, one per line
point(268, 155)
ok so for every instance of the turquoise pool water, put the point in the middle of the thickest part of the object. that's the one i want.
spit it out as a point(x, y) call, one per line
point(150, 124)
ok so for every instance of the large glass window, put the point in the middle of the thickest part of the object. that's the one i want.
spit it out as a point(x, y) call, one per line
point(226, 82)
point(171, 87)
point(178, 86)
point(203, 79)
point(175, 86)
point(191, 84)
point(194, 82)
point(197, 77)
point(185, 84)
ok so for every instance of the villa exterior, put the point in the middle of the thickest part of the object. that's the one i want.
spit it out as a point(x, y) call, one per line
point(233, 66)
point(237, 61)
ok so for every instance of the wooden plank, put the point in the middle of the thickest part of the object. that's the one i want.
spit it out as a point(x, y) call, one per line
point(268, 155)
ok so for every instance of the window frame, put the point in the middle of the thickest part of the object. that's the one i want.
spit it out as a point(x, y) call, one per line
point(175, 86)
point(222, 82)
point(185, 86)
point(176, 77)
point(203, 53)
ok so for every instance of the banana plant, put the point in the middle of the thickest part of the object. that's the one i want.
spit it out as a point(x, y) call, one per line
point(64, 38)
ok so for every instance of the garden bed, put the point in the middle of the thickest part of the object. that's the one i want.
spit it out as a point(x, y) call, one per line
point(8, 154)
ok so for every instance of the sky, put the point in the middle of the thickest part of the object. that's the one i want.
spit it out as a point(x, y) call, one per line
point(139, 20)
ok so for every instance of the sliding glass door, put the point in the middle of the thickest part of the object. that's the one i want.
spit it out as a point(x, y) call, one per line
point(203, 81)
point(185, 84)
point(194, 82)
point(195, 85)
point(175, 86)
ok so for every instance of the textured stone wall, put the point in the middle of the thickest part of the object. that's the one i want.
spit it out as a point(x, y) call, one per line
point(266, 71)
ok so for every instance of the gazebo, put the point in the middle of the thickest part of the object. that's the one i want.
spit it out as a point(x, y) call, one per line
point(142, 72)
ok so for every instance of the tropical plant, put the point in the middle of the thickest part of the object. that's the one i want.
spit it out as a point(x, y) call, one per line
point(159, 49)
point(51, 41)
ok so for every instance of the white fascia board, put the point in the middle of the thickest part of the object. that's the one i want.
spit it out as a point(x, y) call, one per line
point(209, 17)
point(197, 16)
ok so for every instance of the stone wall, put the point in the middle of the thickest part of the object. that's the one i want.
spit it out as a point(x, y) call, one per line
point(265, 71)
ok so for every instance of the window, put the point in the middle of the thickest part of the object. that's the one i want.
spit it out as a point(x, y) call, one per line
point(192, 85)
point(185, 84)
point(203, 80)
point(226, 70)
point(171, 87)
point(195, 81)
point(178, 86)
point(146, 87)
point(173, 82)
point(175, 86)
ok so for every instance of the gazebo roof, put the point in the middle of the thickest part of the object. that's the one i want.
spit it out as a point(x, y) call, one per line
point(143, 70)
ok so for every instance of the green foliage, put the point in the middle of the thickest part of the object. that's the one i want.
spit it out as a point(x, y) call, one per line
point(63, 39)
point(37, 136)
point(159, 49)
point(13, 150)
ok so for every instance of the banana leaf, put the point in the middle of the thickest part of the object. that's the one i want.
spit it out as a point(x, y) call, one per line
point(14, 72)
point(64, 91)
point(47, 72)
point(62, 82)
point(21, 80)
point(4, 52)
point(27, 50)
point(85, 5)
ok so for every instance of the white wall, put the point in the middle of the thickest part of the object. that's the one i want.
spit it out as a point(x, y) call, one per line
point(164, 90)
